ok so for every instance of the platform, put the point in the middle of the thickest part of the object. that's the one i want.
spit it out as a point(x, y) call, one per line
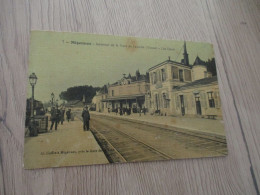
point(68, 146)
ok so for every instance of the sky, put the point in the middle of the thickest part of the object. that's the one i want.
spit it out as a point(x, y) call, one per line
point(62, 60)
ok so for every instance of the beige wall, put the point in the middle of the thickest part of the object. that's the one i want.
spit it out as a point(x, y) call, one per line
point(170, 70)
point(134, 88)
point(100, 106)
point(190, 104)
point(160, 90)
point(198, 72)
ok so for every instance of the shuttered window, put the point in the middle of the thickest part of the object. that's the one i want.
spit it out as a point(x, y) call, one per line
point(154, 77)
point(211, 99)
point(175, 72)
point(187, 75)
point(181, 75)
point(163, 75)
point(159, 75)
point(151, 78)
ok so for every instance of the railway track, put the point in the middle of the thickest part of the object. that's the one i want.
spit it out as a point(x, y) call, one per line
point(194, 141)
point(191, 140)
point(121, 146)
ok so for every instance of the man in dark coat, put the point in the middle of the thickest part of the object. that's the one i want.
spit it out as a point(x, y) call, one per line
point(54, 117)
point(68, 114)
point(86, 118)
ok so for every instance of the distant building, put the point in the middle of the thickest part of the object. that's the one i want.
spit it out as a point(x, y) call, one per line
point(128, 92)
point(97, 100)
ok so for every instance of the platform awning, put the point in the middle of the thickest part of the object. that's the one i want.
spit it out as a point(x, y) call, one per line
point(126, 97)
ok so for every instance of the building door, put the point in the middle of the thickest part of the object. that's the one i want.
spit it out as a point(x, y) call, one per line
point(198, 106)
point(182, 105)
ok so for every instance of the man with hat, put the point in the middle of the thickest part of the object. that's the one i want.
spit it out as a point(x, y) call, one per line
point(86, 118)
point(55, 114)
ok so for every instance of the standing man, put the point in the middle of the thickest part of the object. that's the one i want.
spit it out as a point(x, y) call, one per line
point(54, 119)
point(86, 118)
point(68, 114)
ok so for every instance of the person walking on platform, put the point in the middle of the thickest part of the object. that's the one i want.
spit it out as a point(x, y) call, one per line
point(86, 118)
point(68, 114)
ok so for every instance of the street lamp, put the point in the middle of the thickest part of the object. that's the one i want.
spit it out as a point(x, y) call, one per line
point(33, 80)
point(52, 97)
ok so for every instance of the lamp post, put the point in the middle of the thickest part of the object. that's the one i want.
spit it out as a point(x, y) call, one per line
point(33, 80)
point(52, 97)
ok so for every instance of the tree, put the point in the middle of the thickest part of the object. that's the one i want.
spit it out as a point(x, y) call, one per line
point(77, 93)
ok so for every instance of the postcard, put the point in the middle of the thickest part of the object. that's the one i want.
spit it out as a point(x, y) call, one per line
point(99, 99)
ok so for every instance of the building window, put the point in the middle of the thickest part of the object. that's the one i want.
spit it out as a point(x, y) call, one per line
point(211, 100)
point(165, 100)
point(197, 97)
point(113, 93)
point(154, 77)
point(163, 75)
point(174, 72)
point(187, 74)
point(181, 75)
point(151, 78)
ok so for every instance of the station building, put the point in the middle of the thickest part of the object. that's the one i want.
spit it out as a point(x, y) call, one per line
point(128, 92)
point(179, 88)
point(168, 88)
point(198, 98)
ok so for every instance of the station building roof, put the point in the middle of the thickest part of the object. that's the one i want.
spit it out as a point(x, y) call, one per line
point(168, 62)
point(198, 83)
point(198, 61)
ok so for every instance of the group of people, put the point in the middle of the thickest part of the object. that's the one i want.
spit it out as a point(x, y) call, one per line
point(128, 111)
point(57, 116)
